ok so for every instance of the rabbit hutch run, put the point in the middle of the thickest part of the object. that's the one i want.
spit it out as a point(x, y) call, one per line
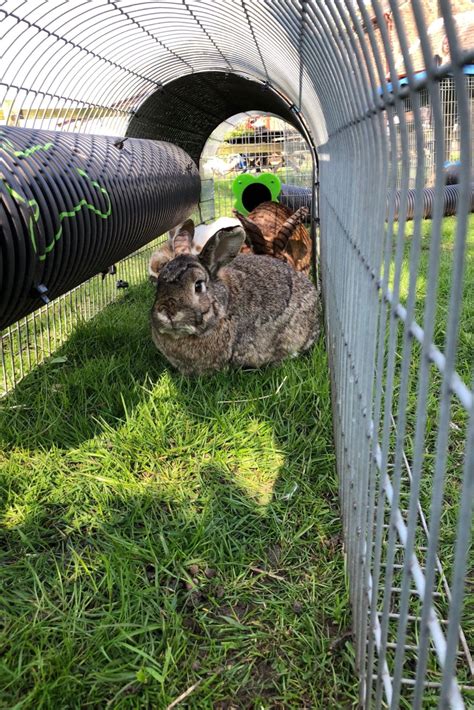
point(175, 542)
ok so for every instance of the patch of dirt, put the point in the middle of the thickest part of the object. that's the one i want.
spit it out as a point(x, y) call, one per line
point(265, 672)
point(297, 608)
point(339, 638)
point(334, 543)
point(274, 555)
point(340, 641)
point(248, 700)
point(192, 625)
point(150, 571)
point(239, 610)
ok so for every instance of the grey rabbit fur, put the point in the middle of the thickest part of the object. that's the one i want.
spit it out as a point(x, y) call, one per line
point(220, 309)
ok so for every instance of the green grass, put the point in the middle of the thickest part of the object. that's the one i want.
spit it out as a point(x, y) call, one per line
point(458, 424)
point(159, 533)
point(466, 332)
point(34, 338)
point(465, 348)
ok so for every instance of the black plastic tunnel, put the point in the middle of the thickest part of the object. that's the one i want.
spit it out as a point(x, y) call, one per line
point(295, 197)
point(72, 205)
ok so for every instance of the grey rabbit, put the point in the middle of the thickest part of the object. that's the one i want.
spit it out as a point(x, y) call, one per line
point(218, 309)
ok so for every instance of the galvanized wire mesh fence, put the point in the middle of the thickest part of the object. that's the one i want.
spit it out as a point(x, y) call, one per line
point(252, 143)
point(32, 339)
point(383, 91)
point(401, 411)
point(451, 135)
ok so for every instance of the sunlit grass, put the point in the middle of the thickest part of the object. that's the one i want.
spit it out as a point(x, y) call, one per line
point(159, 533)
point(162, 534)
point(456, 439)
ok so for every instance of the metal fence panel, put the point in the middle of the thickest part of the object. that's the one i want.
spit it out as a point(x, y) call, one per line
point(394, 378)
point(384, 92)
point(32, 339)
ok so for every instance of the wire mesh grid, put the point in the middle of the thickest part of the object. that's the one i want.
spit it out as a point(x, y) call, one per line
point(29, 341)
point(403, 415)
point(252, 143)
point(398, 334)
point(450, 136)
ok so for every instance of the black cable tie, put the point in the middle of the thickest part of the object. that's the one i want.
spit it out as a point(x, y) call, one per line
point(42, 291)
point(109, 270)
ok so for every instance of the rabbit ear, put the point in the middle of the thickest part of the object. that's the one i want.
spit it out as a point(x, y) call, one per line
point(253, 235)
point(154, 268)
point(188, 226)
point(182, 238)
point(222, 248)
point(158, 259)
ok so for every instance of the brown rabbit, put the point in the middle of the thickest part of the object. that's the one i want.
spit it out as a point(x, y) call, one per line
point(219, 309)
point(272, 229)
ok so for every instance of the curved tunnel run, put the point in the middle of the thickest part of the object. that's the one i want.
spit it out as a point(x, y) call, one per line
point(187, 110)
point(149, 71)
point(172, 71)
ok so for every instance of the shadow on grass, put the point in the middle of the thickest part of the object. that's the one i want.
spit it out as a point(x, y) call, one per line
point(95, 377)
point(161, 532)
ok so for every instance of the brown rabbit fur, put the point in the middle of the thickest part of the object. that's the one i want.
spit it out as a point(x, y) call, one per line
point(272, 229)
point(220, 309)
point(199, 236)
point(166, 252)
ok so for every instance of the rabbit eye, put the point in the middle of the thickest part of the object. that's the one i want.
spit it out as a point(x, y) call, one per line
point(200, 286)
